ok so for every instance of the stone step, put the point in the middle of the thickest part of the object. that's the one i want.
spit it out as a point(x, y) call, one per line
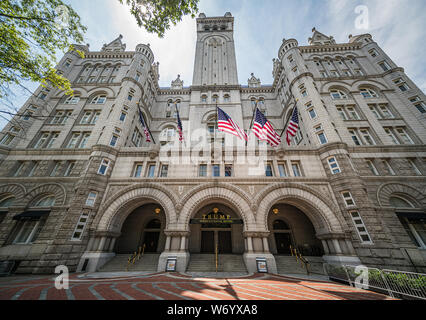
point(289, 265)
point(148, 262)
point(207, 263)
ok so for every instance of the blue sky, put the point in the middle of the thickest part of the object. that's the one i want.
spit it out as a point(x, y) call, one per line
point(398, 26)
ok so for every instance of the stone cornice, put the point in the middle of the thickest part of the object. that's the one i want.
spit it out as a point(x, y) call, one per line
point(109, 55)
point(330, 48)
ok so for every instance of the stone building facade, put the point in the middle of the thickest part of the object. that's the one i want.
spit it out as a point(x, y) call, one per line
point(79, 183)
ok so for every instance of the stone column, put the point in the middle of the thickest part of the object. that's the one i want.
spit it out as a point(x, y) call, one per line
point(265, 244)
point(102, 244)
point(112, 244)
point(325, 246)
point(350, 247)
point(168, 243)
point(337, 246)
point(250, 244)
point(182, 243)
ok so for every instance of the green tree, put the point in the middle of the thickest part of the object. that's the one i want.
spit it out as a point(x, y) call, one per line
point(31, 33)
point(156, 16)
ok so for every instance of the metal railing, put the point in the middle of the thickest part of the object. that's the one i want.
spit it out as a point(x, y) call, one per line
point(135, 256)
point(304, 263)
point(217, 256)
point(402, 284)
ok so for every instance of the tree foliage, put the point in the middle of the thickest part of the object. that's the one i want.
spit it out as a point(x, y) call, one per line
point(156, 16)
point(31, 33)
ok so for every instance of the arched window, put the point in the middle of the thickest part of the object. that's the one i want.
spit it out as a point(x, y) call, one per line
point(398, 202)
point(72, 100)
point(154, 224)
point(6, 202)
point(99, 99)
point(226, 98)
point(204, 98)
point(368, 93)
point(338, 94)
point(280, 225)
point(48, 201)
point(215, 98)
point(167, 135)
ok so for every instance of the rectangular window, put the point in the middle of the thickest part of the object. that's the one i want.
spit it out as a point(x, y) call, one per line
point(416, 229)
point(367, 137)
point(74, 139)
point(296, 169)
point(216, 170)
point(389, 167)
point(114, 140)
point(34, 165)
point(311, 111)
point(103, 168)
point(55, 169)
point(138, 170)
point(268, 170)
point(91, 198)
point(353, 115)
point(69, 168)
point(347, 197)
point(375, 112)
point(404, 136)
point(384, 65)
point(228, 170)
point(83, 141)
point(26, 231)
point(19, 169)
point(415, 168)
point(391, 135)
point(342, 113)
point(79, 228)
point(7, 139)
point(164, 171)
point(281, 169)
point(52, 140)
point(322, 138)
point(42, 140)
point(202, 170)
point(334, 166)
point(354, 137)
point(360, 227)
point(372, 167)
point(373, 53)
point(123, 116)
point(386, 112)
point(151, 171)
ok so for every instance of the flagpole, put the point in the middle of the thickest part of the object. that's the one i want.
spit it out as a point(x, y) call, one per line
point(146, 124)
point(252, 119)
point(295, 105)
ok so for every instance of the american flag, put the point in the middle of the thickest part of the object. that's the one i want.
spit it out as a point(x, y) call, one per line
point(263, 129)
point(180, 128)
point(145, 129)
point(225, 124)
point(293, 126)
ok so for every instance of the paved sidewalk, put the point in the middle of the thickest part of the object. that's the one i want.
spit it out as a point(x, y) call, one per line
point(175, 286)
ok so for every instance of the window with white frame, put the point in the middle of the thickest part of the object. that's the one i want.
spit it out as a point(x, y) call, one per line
point(303, 91)
point(311, 110)
point(18, 170)
point(26, 231)
point(385, 66)
point(365, 133)
point(72, 100)
point(414, 167)
point(401, 84)
point(372, 167)
point(389, 132)
point(42, 140)
point(202, 170)
point(420, 105)
point(352, 113)
point(360, 227)
point(374, 110)
point(268, 170)
point(368, 93)
point(342, 113)
point(333, 164)
point(99, 99)
point(282, 169)
point(387, 114)
point(406, 139)
point(355, 137)
point(347, 198)
point(79, 228)
point(69, 167)
point(359, 72)
point(33, 168)
point(338, 95)
point(151, 170)
point(7, 139)
point(320, 134)
point(295, 166)
point(137, 172)
point(91, 198)
point(373, 52)
point(388, 167)
point(55, 169)
point(103, 168)
point(115, 137)
point(164, 171)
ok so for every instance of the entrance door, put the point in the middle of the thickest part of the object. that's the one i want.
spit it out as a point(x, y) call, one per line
point(151, 241)
point(225, 242)
point(207, 241)
point(283, 242)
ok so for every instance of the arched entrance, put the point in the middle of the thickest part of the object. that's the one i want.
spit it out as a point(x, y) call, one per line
point(216, 226)
point(290, 226)
point(143, 228)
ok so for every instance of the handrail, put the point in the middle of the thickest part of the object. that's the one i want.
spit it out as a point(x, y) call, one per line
point(135, 256)
point(298, 256)
point(216, 256)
